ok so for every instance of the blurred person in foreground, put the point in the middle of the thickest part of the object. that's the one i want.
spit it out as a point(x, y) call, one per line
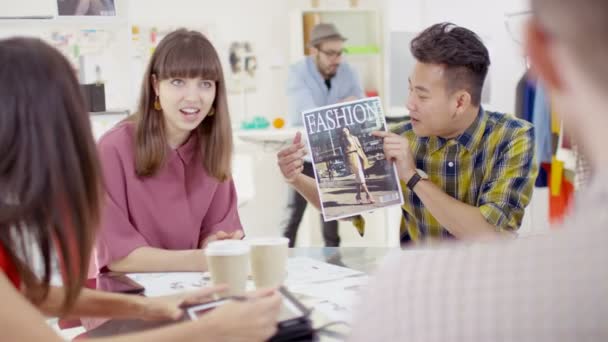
point(547, 288)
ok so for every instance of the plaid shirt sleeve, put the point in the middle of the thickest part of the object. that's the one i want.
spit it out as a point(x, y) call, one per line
point(507, 192)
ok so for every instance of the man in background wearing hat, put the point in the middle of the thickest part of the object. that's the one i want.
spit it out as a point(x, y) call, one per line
point(320, 79)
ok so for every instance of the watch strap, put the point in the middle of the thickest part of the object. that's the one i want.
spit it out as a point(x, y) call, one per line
point(413, 181)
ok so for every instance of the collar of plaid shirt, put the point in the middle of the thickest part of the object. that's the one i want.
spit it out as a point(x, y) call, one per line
point(469, 139)
point(467, 168)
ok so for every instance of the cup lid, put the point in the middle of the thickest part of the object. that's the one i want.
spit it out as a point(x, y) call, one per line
point(266, 241)
point(227, 247)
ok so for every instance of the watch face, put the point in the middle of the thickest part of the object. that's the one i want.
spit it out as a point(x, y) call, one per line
point(422, 174)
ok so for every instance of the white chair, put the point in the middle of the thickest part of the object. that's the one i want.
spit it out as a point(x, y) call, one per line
point(243, 176)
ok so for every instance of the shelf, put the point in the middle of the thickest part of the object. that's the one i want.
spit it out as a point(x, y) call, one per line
point(339, 10)
point(125, 112)
point(267, 134)
point(362, 50)
point(33, 17)
point(79, 21)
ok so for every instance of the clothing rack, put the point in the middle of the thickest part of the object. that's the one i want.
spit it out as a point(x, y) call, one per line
point(509, 17)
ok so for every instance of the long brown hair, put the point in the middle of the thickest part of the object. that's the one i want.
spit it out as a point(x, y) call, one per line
point(49, 172)
point(183, 54)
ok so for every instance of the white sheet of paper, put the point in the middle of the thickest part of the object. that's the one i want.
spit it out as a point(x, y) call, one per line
point(334, 299)
point(303, 270)
point(163, 284)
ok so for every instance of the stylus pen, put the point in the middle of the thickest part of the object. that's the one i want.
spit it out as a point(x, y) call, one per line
point(235, 298)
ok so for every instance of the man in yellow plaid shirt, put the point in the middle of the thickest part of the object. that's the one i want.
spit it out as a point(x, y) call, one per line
point(466, 173)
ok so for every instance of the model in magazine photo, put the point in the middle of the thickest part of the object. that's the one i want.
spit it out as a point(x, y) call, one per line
point(357, 163)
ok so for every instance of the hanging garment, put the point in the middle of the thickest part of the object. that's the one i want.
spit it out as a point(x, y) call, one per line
point(541, 118)
point(519, 96)
point(561, 192)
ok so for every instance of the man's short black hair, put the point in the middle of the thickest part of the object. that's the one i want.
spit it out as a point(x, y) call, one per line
point(462, 53)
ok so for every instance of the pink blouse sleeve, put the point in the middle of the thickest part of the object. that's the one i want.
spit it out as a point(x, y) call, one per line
point(223, 212)
point(117, 237)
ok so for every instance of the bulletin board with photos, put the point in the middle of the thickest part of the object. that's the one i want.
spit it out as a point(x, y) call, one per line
point(238, 57)
point(86, 7)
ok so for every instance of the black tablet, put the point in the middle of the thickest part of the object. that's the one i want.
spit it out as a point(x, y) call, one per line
point(120, 283)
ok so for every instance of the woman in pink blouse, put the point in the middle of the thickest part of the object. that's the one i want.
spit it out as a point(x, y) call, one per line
point(167, 169)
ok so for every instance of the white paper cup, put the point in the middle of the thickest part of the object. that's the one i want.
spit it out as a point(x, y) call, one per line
point(228, 262)
point(269, 261)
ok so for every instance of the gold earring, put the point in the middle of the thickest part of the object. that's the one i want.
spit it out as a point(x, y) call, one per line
point(157, 104)
point(211, 112)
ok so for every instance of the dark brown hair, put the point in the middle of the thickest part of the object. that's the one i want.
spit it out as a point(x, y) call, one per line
point(49, 172)
point(583, 27)
point(343, 139)
point(462, 53)
point(184, 54)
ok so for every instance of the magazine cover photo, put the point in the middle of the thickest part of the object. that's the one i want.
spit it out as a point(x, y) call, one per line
point(351, 172)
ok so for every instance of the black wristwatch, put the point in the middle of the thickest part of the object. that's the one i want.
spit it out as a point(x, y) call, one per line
point(417, 177)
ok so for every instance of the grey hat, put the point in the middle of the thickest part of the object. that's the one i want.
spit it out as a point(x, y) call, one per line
point(322, 32)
